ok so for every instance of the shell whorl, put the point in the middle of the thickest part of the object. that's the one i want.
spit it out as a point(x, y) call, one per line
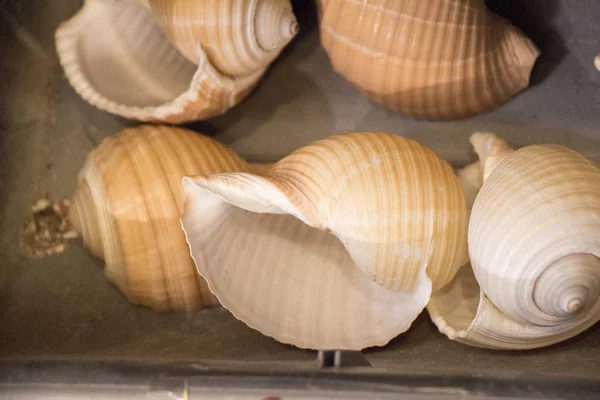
point(568, 286)
point(239, 37)
point(534, 243)
point(275, 26)
point(533, 236)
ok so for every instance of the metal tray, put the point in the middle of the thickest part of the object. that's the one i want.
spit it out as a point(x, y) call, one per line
point(59, 315)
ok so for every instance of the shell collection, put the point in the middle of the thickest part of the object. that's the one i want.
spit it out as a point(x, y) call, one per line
point(343, 243)
point(172, 60)
point(429, 59)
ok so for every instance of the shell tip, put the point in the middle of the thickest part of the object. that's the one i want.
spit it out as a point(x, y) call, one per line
point(275, 26)
point(575, 306)
point(289, 26)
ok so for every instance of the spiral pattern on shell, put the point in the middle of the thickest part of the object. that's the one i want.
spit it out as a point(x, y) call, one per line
point(534, 237)
point(432, 59)
point(534, 277)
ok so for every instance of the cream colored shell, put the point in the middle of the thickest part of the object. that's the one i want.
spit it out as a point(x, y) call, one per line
point(172, 60)
point(534, 243)
point(338, 246)
point(127, 208)
point(431, 59)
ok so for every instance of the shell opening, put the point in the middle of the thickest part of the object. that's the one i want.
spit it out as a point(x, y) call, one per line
point(124, 55)
point(293, 282)
point(454, 307)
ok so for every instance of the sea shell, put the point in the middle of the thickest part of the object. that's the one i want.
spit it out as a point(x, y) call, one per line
point(534, 243)
point(338, 246)
point(430, 59)
point(172, 60)
point(127, 208)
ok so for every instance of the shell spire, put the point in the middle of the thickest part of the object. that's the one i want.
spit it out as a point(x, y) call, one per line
point(534, 278)
point(275, 26)
point(239, 37)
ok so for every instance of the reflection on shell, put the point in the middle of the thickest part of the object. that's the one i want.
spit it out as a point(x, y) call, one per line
point(127, 208)
point(172, 60)
point(432, 59)
point(338, 246)
point(534, 247)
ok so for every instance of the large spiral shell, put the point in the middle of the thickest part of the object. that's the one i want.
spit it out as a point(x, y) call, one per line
point(127, 208)
point(534, 243)
point(172, 60)
point(432, 59)
point(338, 246)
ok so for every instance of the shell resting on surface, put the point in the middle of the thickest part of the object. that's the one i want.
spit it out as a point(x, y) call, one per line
point(172, 60)
point(534, 243)
point(338, 246)
point(430, 59)
point(127, 208)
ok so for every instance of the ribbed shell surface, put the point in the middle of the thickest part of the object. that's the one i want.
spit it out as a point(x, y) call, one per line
point(116, 56)
point(431, 59)
point(225, 29)
point(393, 203)
point(534, 245)
point(538, 206)
point(128, 208)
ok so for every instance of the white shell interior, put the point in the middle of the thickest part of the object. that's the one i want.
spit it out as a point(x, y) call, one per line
point(288, 280)
point(454, 307)
point(125, 56)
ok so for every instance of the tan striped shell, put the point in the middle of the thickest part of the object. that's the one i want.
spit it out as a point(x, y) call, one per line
point(247, 36)
point(431, 59)
point(172, 60)
point(338, 246)
point(127, 208)
point(534, 243)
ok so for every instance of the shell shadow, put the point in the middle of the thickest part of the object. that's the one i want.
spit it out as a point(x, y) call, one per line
point(543, 23)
